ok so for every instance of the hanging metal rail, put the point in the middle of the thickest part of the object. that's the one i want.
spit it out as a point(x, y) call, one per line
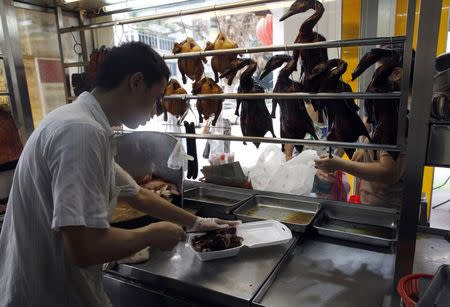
point(290, 47)
point(4, 94)
point(288, 141)
point(314, 96)
point(204, 9)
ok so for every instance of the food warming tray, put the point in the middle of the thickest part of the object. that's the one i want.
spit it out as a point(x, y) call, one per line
point(199, 197)
point(357, 225)
point(438, 292)
point(255, 235)
point(297, 215)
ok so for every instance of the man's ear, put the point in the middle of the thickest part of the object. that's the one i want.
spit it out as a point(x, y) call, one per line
point(135, 80)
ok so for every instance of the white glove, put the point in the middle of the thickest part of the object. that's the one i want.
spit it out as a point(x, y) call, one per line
point(210, 223)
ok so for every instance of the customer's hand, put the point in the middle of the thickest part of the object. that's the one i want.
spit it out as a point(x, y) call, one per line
point(329, 165)
point(324, 176)
point(165, 235)
point(212, 223)
point(358, 155)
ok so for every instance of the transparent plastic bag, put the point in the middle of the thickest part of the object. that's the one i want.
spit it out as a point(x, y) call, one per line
point(273, 173)
point(179, 158)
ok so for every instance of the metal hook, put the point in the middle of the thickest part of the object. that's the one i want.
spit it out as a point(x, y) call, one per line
point(217, 18)
point(184, 26)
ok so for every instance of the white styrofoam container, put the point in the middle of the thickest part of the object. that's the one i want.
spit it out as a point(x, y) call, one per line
point(255, 235)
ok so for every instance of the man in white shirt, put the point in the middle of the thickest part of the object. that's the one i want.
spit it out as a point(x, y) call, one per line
point(56, 231)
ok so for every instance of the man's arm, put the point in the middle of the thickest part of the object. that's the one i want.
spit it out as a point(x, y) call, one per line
point(91, 246)
point(152, 204)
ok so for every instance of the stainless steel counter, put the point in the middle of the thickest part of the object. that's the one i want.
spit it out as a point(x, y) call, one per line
point(324, 272)
point(223, 282)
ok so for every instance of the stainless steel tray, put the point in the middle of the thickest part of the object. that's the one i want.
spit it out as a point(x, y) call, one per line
point(295, 214)
point(358, 225)
point(438, 293)
point(199, 197)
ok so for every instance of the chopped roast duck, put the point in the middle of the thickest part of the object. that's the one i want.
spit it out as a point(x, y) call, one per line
point(191, 67)
point(255, 118)
point(217, 240)
point(221, 63)
point(294, 119)
point(10, 143)
point(175, 107)
point(309, 57)
point(382, 114)
point(158, 186)
point(344, 123)
point(208, 107)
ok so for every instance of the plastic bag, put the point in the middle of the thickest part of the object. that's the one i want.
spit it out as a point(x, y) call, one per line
point(272, 173)
point(179, 158)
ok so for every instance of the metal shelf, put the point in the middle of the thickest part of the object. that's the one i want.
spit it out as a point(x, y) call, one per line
point(314, 96)
point(178, 13)
point(290, 47)
point(287, 141)
point(76, 64)
point(4, 94)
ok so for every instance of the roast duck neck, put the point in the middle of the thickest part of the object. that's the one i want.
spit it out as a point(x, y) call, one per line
point(344, 123)
point(208, 107)
point(294, 119)
point(175, 107)
point(191, 67)
point(255, 118)
point(381, 114)
point(221, 63)
point(312, 57)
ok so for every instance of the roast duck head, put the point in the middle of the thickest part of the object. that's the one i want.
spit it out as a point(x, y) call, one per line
point(208, 107)
point(220, 63)
point(300, 6)
point(176, 107)
point(191, 67)
point(383, 115)
point(275, 62)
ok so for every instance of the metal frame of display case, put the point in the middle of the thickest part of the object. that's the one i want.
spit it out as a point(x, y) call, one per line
point(419, 92)
point(11, 54)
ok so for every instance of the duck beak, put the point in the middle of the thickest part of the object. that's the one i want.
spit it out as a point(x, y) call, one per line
point(287, 15)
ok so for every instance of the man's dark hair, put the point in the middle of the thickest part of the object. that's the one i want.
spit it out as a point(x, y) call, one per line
point(130, 58)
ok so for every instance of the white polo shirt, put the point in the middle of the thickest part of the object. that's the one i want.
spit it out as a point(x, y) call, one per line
point(66, 176)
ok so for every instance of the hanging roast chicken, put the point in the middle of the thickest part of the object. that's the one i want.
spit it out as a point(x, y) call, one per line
point(255, 118)
point(208, 107)
point(382, 114)
point(220, 63)
point(309, 57)
point(294, 119)
point(176, 107)
point(190, 67)
point(344, 123)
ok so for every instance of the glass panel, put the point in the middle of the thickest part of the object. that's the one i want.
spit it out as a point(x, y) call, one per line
point(41, 59)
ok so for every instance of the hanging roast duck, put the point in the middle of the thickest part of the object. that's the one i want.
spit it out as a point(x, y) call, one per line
point(382, 114)
point(344, 123)
point(255, 118)
point(309, 57)
point(294, 119)
point(191, 67)
point(208, 107)
point(176, 107)
point(220, 63)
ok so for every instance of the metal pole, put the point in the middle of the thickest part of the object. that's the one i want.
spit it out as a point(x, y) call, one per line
point(299, 95)
point(205, 9)
point(287, 141)
point(59, 24)
point(406, 80)
point(290, 47)
point(15, 70)
point(430, 12)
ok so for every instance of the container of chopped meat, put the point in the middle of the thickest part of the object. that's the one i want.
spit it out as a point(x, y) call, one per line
point(227, 242)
